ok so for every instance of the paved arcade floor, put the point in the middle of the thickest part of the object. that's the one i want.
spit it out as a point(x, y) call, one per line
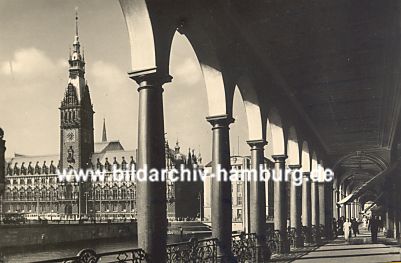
point(360, 249)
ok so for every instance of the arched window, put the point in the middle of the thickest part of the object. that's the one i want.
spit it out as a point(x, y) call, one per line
point(115, 194)
point(29, 195)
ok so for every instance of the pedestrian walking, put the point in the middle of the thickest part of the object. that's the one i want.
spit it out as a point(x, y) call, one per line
point(374, 227)
point(347, 230)
point(355, 226)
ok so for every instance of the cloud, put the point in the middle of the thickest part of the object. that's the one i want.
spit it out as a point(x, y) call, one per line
point(187, 71)
point(33, 86)
point(115, 98)
point(27, 64)
point(108, 77)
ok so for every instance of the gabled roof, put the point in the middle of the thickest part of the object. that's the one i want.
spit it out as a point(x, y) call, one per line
point(101, 147)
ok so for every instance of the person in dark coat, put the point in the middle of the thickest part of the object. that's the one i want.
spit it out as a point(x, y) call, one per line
point(355, 226)
point(340, 226)
point(334, 225)
point(374, 228)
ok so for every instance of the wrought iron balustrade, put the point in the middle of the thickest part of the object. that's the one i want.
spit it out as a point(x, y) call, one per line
point(322, 231)
point(90, 256)
point(193, 251)
point(292, 236)
point(316, 234)
point(244, 247)
point(273, 238)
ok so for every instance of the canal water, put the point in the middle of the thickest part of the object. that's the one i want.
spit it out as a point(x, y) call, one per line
point(29, 254)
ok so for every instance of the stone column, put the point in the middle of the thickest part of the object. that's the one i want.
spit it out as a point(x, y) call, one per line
point(352, 209)
point(330, 210)
point(389, 223)
point(390, 210)
point(336, 211)
point(2, 163)
point(395, 198)
point(315, 211)
point(296, 208)
point(151, 202)
point(280, 203)
point(343, 208)
point(258, 199)
point(2, 172)
point(306, 207)
point(270, 197)
point(221, 189)
point(323, 205)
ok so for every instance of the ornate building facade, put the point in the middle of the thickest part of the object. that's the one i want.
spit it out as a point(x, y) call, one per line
point(32, 182)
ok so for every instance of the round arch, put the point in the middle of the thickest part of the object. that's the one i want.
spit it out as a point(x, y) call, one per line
point(306, 163)
point(216, 88)
point(140, 32)
point(314, 162)
point(275, 133)
point(293, 147)
point(256, 129)
point(371, 157)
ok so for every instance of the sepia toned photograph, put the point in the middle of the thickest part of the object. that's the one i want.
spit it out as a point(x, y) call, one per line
point(200, 131)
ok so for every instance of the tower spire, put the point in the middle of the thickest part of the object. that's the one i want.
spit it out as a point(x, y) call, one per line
point(76, 21)
point(104, 134)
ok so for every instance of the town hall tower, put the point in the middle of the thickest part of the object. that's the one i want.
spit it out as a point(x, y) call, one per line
point(76, 114)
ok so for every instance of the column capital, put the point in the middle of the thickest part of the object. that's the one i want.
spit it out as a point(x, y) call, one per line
point(149, 77)
point(294, 166)
point(279, 157)
point(219, 121)
point(256, 144)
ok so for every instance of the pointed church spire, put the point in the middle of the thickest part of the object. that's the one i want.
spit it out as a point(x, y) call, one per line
point(76, 45)
point(76, 22)
point(189, 160)
point(104, 134)
point(76, 63)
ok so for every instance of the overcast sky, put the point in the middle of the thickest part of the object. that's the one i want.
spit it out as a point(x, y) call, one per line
point(35, 37)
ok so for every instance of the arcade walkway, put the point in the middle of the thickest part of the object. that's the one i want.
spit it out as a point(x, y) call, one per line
point(360, 250)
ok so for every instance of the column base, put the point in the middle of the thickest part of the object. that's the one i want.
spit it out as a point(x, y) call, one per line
point(299, 241)
point(283, 243)
point(283, 247)
point(307, 234)
point(263, 253)
point(316, 235)
point(389, 234)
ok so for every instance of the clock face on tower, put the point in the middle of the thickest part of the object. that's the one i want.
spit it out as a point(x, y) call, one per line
point(69, 135)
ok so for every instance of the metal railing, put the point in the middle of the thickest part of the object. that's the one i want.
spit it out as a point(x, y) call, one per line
point(90, 256)
point(273, 238)
point(244, 247)
point(193, 251)
point(292, 236)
